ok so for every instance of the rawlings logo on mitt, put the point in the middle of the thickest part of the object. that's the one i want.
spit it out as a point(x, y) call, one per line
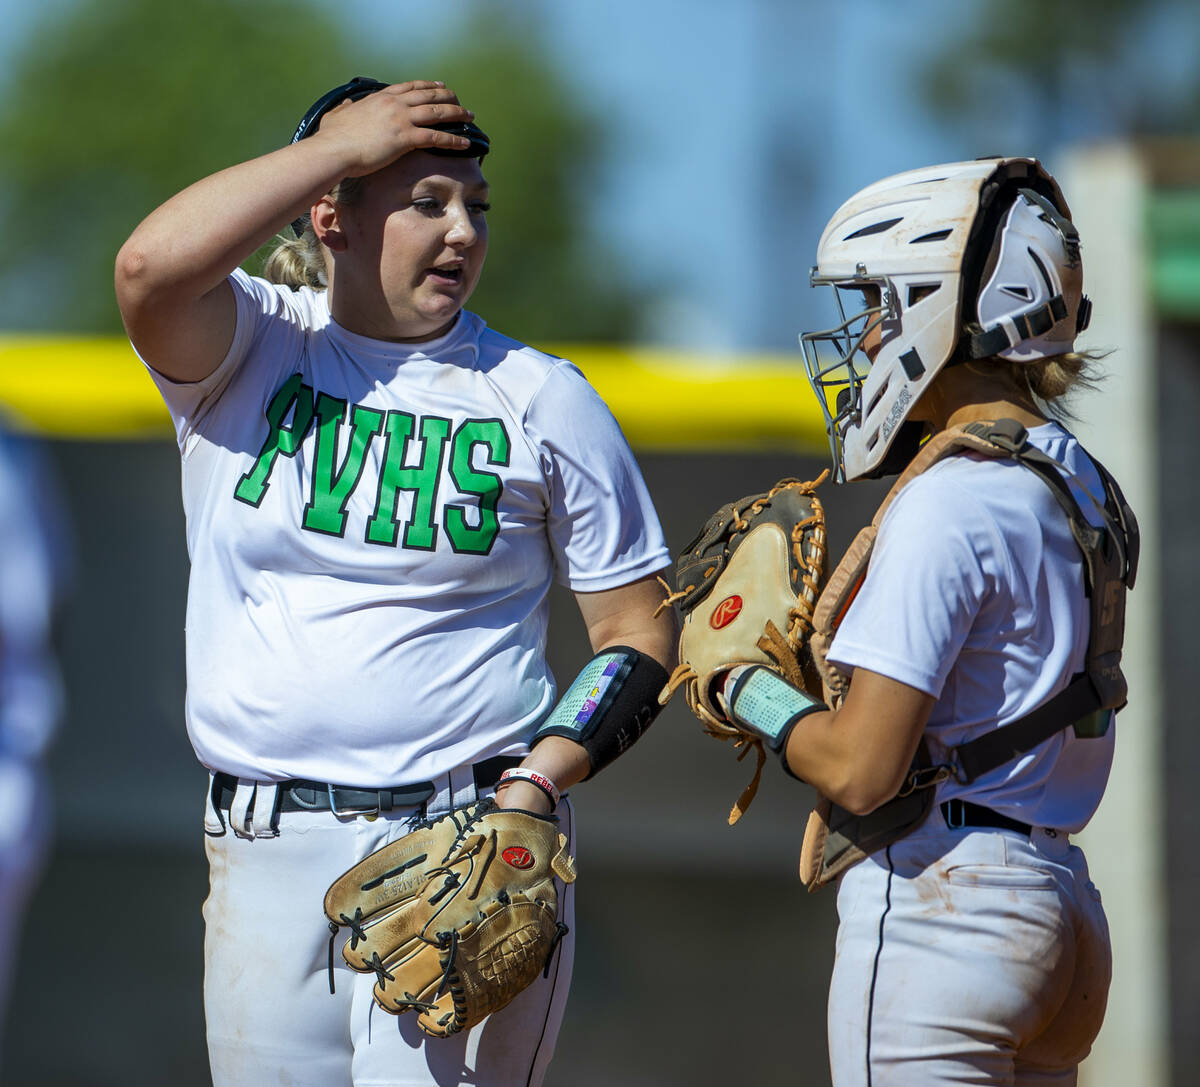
point(457, 917)
point(746, 587)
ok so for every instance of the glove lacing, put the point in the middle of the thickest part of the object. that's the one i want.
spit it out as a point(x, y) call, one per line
point(357, 932)
point(355, 923)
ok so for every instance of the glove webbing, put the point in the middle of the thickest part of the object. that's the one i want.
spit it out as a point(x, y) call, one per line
point(808, 551)
point(800, 620)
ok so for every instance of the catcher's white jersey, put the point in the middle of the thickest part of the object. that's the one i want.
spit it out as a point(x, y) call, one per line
point(373, 529)
point(975, 596)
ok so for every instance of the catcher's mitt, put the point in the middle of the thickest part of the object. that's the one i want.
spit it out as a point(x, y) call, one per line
point(457, 917)
point(746, 588)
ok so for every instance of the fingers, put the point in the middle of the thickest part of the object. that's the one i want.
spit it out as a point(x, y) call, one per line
point(431, 138)
point(416, 85)
point(424, 117)
point(422, 92)
point(381, 127)
point(433, 104)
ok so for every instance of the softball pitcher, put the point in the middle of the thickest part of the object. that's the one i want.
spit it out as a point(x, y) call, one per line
point(379, 492)
point(968, 643)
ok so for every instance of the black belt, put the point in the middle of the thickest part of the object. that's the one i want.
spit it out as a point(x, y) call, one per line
point(962, 813)
point(299, 794)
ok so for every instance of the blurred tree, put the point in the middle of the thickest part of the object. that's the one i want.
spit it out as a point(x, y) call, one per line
point(116, 104)
point(1071, 69)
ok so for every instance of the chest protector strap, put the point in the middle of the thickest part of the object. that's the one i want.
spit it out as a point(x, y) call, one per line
point(836, 838)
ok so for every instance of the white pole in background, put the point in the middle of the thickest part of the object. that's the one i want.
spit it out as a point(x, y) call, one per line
point(1106, 188)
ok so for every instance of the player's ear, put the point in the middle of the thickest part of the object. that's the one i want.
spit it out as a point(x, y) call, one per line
point(327, 224)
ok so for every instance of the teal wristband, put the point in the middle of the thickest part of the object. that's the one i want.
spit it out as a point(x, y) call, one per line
point(764, 703)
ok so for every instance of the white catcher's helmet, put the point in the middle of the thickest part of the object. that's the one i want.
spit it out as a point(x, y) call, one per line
point(971, 260)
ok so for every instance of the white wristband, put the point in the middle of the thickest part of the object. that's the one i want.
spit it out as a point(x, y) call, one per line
point(523, 773)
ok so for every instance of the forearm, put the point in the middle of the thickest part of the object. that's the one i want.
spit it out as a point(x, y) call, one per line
point(856, 755)
point(606, 724)
point(826, 752)
point(630, 616)
point(561, 760)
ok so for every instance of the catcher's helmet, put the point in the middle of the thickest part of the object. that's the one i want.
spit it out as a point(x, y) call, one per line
point(361, 86)
point(971, 260)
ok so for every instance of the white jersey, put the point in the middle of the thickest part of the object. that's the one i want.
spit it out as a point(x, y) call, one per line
point(373, 529)
point(974, 595)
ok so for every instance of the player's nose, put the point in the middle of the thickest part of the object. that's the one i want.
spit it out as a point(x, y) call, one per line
point(461, 231)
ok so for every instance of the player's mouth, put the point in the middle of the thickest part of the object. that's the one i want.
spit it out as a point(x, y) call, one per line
point(451, 274)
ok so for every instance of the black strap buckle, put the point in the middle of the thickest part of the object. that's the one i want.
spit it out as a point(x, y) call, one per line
point(925, 777)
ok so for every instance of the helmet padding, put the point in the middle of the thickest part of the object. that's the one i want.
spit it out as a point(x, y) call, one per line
point(1034, 260)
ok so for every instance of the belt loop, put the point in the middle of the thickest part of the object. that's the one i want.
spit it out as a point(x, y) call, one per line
point(214, 821)
point(443, 798)
point(266, 800)
point(956, 815)
point(239, 808)
point(462, 786)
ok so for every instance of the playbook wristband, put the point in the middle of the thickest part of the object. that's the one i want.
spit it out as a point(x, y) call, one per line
point(523, 773)
point(764, 703)
point(609, 706)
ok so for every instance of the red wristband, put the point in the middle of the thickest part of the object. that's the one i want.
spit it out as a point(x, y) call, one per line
point(523, 773)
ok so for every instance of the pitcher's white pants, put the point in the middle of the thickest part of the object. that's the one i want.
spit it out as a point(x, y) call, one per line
point(270, 1016)
point(972, 956)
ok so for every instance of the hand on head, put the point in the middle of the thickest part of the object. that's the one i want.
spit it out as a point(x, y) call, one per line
point(376, 130)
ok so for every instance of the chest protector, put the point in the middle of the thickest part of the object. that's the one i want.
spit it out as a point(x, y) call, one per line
point(835, 838)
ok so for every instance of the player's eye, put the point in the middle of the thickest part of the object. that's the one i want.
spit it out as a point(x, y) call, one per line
point(871, 296)
point(480, 207)
point(427, 204)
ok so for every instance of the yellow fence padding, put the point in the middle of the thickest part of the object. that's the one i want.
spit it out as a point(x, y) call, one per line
point(94, 388)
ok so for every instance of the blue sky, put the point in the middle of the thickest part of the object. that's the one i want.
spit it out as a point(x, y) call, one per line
point(742, 126)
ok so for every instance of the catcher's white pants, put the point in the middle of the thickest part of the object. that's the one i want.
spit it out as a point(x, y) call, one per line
point(968, 957)
point(270, 1016)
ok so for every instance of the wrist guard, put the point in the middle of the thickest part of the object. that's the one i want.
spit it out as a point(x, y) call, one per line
point(608, 707)
point(764, 703)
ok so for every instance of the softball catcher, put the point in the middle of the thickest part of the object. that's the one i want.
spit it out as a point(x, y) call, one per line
point(379, 492)
point(968, 644)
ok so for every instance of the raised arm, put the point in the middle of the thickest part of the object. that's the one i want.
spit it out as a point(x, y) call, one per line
point(171, 274)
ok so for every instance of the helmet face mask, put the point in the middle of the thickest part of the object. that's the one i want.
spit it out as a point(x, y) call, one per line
point(837, 359)
point(921, 240)
point(866, 384)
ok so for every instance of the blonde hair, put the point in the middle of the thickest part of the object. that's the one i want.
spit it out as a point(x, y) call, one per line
point(1050, 380)
point(300, 262)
